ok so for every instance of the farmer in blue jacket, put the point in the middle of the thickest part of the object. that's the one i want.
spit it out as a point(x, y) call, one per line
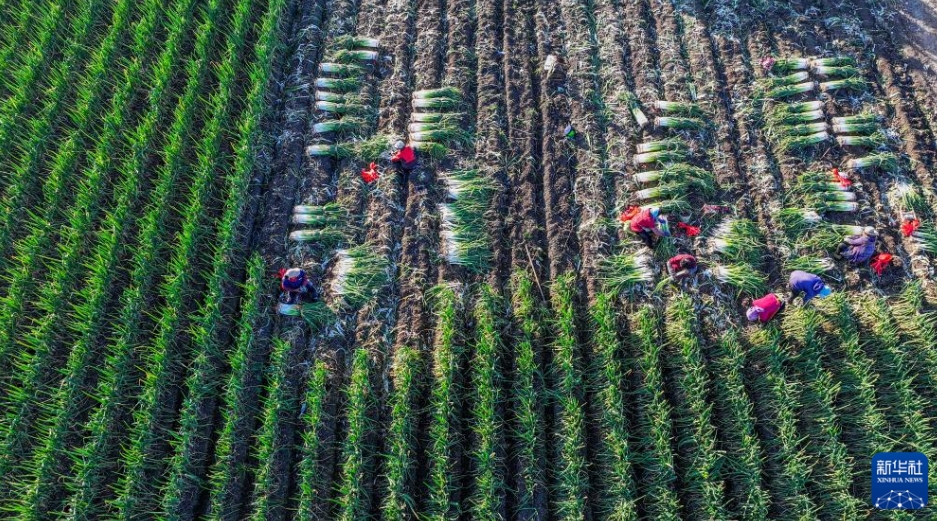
point(809, 284)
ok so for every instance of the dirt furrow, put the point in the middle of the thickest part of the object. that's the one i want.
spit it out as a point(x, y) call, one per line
point(675, 76)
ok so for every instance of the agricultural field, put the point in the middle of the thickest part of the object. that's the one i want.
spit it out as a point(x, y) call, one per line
point(487, 339)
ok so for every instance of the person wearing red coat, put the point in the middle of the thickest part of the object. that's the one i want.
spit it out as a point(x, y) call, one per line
point(682, 266)
point(764, 309)
point(647, 224)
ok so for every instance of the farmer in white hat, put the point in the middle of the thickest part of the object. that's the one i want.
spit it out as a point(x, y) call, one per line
point(809, 285)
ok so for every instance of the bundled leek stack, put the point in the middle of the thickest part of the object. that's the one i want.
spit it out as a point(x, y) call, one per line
point(357, 275)
point(623, 273)
point(679, 115)
point(796, 223)
point(323, 225)
point(816, 190)
point(861, 130)
point(673, 179)
point(339, 85)
point(841, 74)
point(436, 122)
point(794, 126)
point(463, 226)
point(786, 86)
point(910, 201)
point(885, 161)
point(926, 238)
point(742, 243)
point(828, 237)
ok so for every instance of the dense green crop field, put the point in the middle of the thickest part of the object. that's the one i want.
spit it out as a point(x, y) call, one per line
point(492, 341)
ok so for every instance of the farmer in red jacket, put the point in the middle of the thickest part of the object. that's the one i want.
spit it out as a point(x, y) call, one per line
point(682, 266)
point(648, 223)
point(764, 309)
point(404, 158)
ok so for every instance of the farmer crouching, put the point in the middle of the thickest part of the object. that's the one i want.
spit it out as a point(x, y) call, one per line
point(809, 285)
point(649, 224)
point(860, 248)
point(681, 267)
point(764, 309)
point(405, 159)
point(296, 284)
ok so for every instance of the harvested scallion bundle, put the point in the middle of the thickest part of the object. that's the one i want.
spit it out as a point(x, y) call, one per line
point(437, 103)
point(787, 91)
point(340, 151)
point(809, 264)
point(886, 161)
point(803, 106)
point(329, 96)
point(463, 231)
point(331, 214)
point(327, 237)
point(853, 84)
point(372, 148)
point(779, 81)
point(353, 55)
point(926, 238)
point(782, 65)
point(621, 273)
point(340, 108)
point(339, 84)
point(341, 69)
point(664, 144)
point(450, 118)
point(797, 221)
point(790, 143)
point(855, 128)
point(355, 42)
point(691, 175)
point(745, 279)
point(875, 140)
point(846, 71)
point(836, 61)
point(662, 191)
point(837, 206)
point(343, 125)
point(316, 314)
point(858, 119)
point(430, 148)
point(462, 184)
point(908, 198)
point(427, 127)
point(679, 108)
point(443, 92)
point(679, 123)
point(793, 118)
point(799, 130)
point(676, 205)
point(739, 240)
point(663, 156)
point(358, 275)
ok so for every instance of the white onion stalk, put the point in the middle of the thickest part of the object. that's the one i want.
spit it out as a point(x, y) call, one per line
point(855, 128)
point(786, 91)
point(856, 84)
point(351, 55)
point(791, 64)
point(858, 119)
point(341, 69)
point(338, 84)
point(338, 108)
point(802, 130)
point(436, 103)
point(678, 108)
point(652, 176)
point(639, 116)
point(329, 96)
point(803, 106)
point(790, 79)
point(835, 61)
point(444, 92)
point(873, 141)
point(806, 117)
point(678, 123)
point(885, 160)
point(839, 206)
point(343, 266)
point(837, 72)
point(664, 144)
point(663, 156)
point(436, 117)
point(342, 125)
point(837, 196)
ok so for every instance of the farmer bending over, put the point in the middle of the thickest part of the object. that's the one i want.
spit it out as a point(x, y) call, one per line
point(860, 248)
point(295, 283)
point(764, 309)
point(404, 158)
point(808, 284)
point(682, 266)
point(648, 223)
